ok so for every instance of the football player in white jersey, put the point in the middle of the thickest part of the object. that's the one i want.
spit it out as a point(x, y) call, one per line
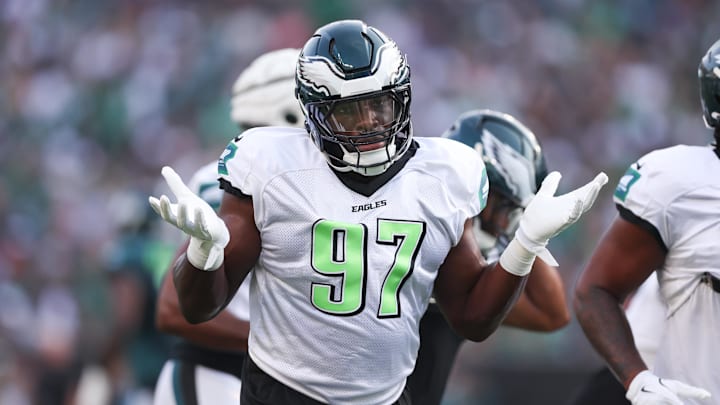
point(669, 222)
point(349, 227)
point(206, 361)
point(515, 166)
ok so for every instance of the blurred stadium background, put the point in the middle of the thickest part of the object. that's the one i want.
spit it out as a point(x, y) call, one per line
point(96, 96)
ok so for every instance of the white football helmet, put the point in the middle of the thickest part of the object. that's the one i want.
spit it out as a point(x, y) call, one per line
point(264, 93)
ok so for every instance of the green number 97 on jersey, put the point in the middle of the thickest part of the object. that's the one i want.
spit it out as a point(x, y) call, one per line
point(340, 249)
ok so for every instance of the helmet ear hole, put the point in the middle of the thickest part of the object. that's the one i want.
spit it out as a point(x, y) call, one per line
point(291, 118)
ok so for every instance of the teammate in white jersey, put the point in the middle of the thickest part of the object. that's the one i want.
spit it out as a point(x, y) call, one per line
point(670, 223)
point(349, 227)
point(515, 166)
point(206, 363)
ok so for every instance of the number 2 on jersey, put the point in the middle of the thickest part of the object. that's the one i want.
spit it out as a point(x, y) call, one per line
point(339, 249)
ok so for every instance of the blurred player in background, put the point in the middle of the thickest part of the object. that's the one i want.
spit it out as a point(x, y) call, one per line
point(669, 222)
point(206, 363)
point(515, 167)
point(349, 231)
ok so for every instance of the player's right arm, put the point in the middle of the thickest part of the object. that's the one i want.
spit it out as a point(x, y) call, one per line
point(220, 252)
point(225, 332)
point(240, 255)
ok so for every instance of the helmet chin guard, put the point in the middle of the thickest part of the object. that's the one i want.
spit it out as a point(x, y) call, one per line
point(369, 163)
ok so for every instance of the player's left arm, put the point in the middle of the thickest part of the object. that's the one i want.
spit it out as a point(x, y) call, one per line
point(474, 296)
point(542, 306)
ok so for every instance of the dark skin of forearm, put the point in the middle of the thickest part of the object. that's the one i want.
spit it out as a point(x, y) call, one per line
point(608, 331)
point(624, 258)
point(474, 296)
point(203, 294)
point(542, 306)
point(225, 332)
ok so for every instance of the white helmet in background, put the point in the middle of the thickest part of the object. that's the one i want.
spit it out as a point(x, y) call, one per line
point(264, 93)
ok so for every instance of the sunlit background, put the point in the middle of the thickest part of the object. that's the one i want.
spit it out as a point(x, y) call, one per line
point(96, 96)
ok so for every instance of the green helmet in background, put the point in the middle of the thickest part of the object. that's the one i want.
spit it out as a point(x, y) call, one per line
point(512, 155)
point(515, 167)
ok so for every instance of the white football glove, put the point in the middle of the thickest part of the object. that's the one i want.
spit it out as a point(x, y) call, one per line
point(192, 215)
point(648, 389)
point(546, 216)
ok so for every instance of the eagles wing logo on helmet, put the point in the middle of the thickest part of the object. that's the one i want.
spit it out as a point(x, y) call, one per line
point(395, 63)
point(320, 68)
point(323, 76)
point(514, 168)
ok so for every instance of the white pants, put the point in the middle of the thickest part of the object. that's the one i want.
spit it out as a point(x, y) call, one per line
point(211, 387)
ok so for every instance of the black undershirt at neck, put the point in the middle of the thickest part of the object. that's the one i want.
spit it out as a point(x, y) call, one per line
point(368, 185)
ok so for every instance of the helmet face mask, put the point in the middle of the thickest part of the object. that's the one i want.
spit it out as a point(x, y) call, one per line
point(354, 87)
point(361, 132)
point(498, 221)
point(709, 77)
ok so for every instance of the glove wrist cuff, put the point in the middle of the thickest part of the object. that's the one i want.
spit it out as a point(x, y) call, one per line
point(637, 382)
point(529, 243)
point(517, 259)
point(204, 255)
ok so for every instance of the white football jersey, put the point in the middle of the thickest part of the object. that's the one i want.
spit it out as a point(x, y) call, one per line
point(343, 279)
point(205, 184)
point(646, 316)
point(677, 191)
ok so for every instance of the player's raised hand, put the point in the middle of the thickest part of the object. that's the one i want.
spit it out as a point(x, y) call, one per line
point(547, 215)
point(647, 388)
point(192, 215)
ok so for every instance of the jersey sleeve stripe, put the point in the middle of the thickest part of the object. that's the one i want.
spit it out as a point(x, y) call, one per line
point(629, 216)
point(229, 188)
